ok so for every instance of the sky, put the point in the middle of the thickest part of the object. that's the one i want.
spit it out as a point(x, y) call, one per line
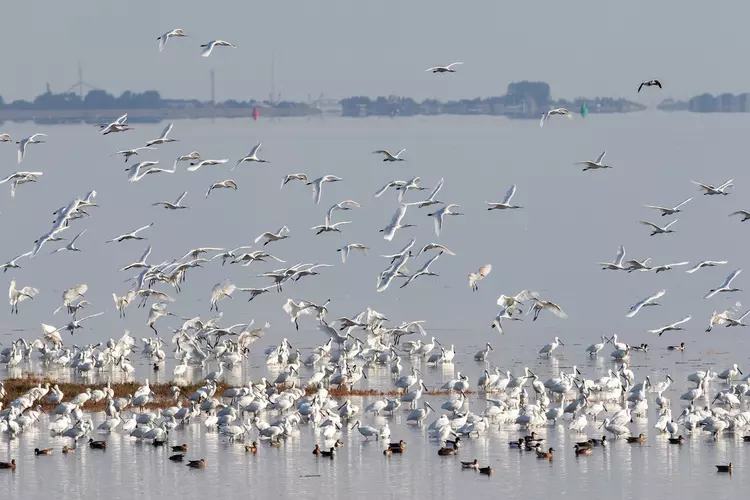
point(340, 48)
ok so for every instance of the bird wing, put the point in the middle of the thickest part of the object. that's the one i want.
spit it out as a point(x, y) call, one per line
point(738, 212)
point(543, 119)
point(683, 320)
point(438, 221)
point(21, 150)
point(256, 149)
point(678, 206)
point(667, 226)
point(122, 119)
point(317, 187)
point(730, 278)
point(601, 157)
point(657, 207)
point(207, 51)
point(145, 254)
point(166, 131)
point(658, 83)
point(620, 255)
point(437, 188)
point(163, 41)
point(177, 202)
point(399, 153)
point(390, 230)
point(78, 236)
point(707, 187)
point(433, 68)
point(509, 194)
point(640, 87)
point(557, 311)
point(453, 64)
point(651, 224)
point(384, 189)
point(142, 228)
point(90, 316)
point(485, 270)
point(725, 185)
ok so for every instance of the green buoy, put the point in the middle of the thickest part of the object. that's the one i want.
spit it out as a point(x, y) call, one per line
point(584, 110)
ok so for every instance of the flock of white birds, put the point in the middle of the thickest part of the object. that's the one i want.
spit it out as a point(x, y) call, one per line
point(198, 342)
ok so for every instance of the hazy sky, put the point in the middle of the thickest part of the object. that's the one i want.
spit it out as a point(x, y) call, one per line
point(341, 48)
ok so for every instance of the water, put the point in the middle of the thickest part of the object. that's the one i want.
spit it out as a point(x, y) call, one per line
point(571, 220)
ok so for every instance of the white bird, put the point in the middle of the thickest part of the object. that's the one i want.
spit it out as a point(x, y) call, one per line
point(5, 138)
point(430, 199)
point(390, 230)
point(737, 322)
point(317, 185)
point(281, 234)
point(11, 264)
point(118, 125)
point(673, 327)
point(444, 69)
point(71, 247)
point(706, 263)
point(668, 267)
point(713, 190)
point(547, 349)
point(25, 142)
point(163, 138)
point(195, 166)
point(557, 111)
point(209, 47)
point(327, 227)
point(424, 271)
point(594, 349)
point(439, 215)
point(434, 246)
point(669, 211)
point(617, 264)
point(725, 286)
point(15, 295)
point(223, 290)
point(658, 229)
point(166, 36)
point(348, 248)
point(344, 205)
point(593, 165)
point(396, 184)
point(132, 235)
point(76, 324)
point(140, 170)
point(478, 276)
point(141, 262)
point(388, 156)
point(505, 204)
point(227, 184)
point(293, 177)
point(540, 305)
point(127, 153)
point(252, 156)
point(744, 213)
point(648, 301)
point(172, 206)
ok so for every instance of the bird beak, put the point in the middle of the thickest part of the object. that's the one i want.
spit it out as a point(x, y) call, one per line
point(364, 374)
point(561, 342)
point(738, 369)
point(491, 348)
point(430, 407)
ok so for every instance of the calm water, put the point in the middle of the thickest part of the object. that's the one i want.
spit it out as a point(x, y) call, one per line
point(571, 220)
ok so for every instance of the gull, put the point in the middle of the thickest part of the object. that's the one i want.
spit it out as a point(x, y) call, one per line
point(725, 286)
point(293, 177)
point(328, 227)
point(390, 230)
point(439, 215)
point(617, 264)
point(505, 204)
point(5, 138)
point(668, 267)
point(227, 184)
point(140, 263)
point(24, 142)
point(388, 156)
point(433, 246)
point(424, 271)
point(76, 323)
point(635, 265)
point(657, 229)
point(593, 165)
point(431, 199)
point(557, 111)
point(344, 205)
point(669, 211)
point(648, 301)
point(444, 69)
point(649, 83)
point(479, 275)
point(72, 245)
point(132, 235)
point(195, 166)
point(396, 184)
point(252, 156)
point(163, 137)
point(712, 190)
point(166, 36)
point(127, 153)
point(118, 125)
point(348, 248)
point(281, 234)
point(317, 185)
point(172, 206)
point(540, 305)
point(209, 47)
point(220, 291)
point(744, 213)
point(17, 296)
point(705, 263)
point(11, 264)
point(673, 327)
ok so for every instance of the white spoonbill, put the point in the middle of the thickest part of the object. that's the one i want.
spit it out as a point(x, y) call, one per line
point(505, 204)
point(547, 349)
point(163, 138)
point(163, 39)
point(713, 190)
point(669, 211)
point(251, 156)
point(673, 327)
point(482, 273)
point(648, 301)
point(439, 216)
point(209, 47)
point(388, 156)
point(556, 111)
point(444, 69)
point(725, 287)
point(594, 165)
point(705, 263)
point(34, 139)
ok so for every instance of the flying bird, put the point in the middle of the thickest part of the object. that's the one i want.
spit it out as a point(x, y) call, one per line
point(251, 156)
point(505, 204)
point(706, 263)
point(348, 248)
point(444, 69)
point(169, 34)
point(209, 47)
point(430, 199)
point(71, 247)
point(34, 139)
point(293, 177)
point(648, 301)
point(649, 83)
point(132, 235)
point(557, 111)
point(478, 276)
point(317, 185)
point(725, 287)
point(127, 153)
point(227, 184)
point(669, 211)
point(424, 271)
point(657, 229)
point(389, 156)
point(744, 213)
point(617, 264)
point(673, 327)
point(439, 216)
point(172, 206)
point(390, 230)
point(713, 190)
point(163, 138)
point(593, 165)
point(203, 163)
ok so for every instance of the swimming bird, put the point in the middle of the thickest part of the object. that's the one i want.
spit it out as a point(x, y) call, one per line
point(197, 464)
point(227, 184)
point(388, 156)
point(317, 185)
point(724, 468)
point(486, 470)
point(669, 211)
point(658, 229)
point(8, 465)
point(673, 327)
point(97, 445)
point(677, 440)
point(557, 111)
point(46, 451)
point(444, 69)
point(596, 164)
point(209, 47)
point(648, 301)
point(447, 451)
point(725, 287)
point(636, 439)
point(177, 458)
point(66, 450)
point(649, 83)
point(478, 276)
point(251, 156)
point(252, 448)
point(713, 190)
point(330, 453)
point(348, 248)
point(680, 347)
point(390, 230)
point(582, 450)
point(34, 139)
point(293, 177)
point(439, 217)
point(169, 34)
point(470, 465)
point(203, 163)
point(616, 265)
point(176, 205)
point(133, 235)
point(545, 454)
point(505, 204)
point(163, 138)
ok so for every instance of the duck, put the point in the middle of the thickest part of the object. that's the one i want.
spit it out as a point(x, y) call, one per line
point(397, 447)
point(600, 442)
point(177, 458)
point(470, 465)
point(746, 439)
point(533, 438)
point(67, 450)
point(677, 440)
point(582, 450)
point(317, 450)
point(97, 445)
point(719, 468)
point(253, 448)
point(636, 439)
point(182, 447)
point(158, 442)
point(340, 444)
point(680, 347)
point(275, 443)
point(516, 444)
point(532, 447)
point(585, 444)
point(641, 348)
point(388, 451)
point(12, 464)
point(485, 470)
point(545, 454)
point(330, 453)
point(197, 464)
point(443, 452)
point(453, 443)
point(46, 451)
